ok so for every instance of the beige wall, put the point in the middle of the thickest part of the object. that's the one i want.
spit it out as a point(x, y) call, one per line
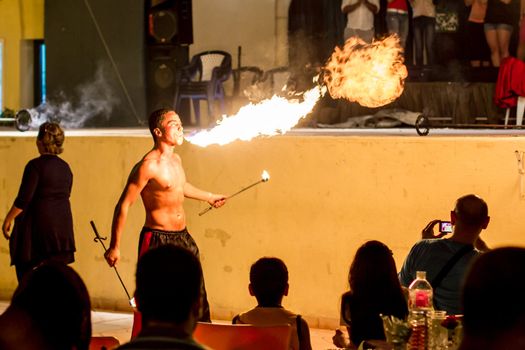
point(326, 196)
point(254, 25)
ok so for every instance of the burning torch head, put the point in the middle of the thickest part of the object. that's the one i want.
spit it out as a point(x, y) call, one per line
point(265, 176)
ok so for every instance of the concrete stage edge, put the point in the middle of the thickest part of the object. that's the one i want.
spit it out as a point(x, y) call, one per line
point(329, 192)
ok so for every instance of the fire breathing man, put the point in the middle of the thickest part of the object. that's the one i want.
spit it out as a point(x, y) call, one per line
point(160, 180)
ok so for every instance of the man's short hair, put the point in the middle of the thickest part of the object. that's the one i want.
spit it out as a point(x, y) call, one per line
point(471, 210)
point(155, 119)
point(492, 293)
point(269, 278)
point(169, 280)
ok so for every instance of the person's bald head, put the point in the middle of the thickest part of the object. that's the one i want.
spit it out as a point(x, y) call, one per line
point(471, 212)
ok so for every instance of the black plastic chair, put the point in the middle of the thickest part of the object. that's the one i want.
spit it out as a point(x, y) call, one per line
point(244, 77)
point(202, 80)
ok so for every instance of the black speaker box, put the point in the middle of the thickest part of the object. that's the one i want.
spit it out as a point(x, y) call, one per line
point(163, 63)
point(170, 22)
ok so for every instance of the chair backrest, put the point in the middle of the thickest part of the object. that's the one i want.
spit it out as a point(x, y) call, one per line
point(243, 336)
point(213, 59)
point(275, 80)
point(103, 343)
point(245, 77)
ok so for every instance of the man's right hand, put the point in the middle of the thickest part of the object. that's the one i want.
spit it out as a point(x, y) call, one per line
point(112, 256)
point(428, 231)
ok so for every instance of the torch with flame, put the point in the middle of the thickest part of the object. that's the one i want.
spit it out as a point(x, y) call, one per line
point(264, 178)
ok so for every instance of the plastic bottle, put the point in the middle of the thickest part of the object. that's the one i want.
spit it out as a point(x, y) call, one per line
point(420, 293)
point(419, 304)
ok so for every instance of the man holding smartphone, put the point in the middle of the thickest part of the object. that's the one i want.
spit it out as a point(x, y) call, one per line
point(450, 256)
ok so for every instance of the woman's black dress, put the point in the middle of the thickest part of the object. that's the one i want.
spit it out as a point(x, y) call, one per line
point(44, 229)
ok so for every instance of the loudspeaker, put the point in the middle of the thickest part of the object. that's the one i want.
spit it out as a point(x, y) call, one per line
point(163, 63)
point(170, 22)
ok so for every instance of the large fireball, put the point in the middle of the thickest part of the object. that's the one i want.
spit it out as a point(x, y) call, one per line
point(372, 75)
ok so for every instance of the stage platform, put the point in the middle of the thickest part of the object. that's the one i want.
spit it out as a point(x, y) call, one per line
point(446, 102)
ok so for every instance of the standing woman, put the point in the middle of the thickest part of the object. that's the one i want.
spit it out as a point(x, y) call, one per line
point(43, 223)
point(499, 24)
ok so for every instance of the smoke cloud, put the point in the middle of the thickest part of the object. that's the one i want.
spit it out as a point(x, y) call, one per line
point(96, 99)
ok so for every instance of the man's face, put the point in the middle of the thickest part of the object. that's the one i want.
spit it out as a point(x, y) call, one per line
point(171, 128)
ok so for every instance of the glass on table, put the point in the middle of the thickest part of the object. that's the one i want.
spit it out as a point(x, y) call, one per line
point(438, 334)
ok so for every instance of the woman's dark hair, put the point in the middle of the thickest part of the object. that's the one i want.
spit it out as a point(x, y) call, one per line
point(57, 300)
point(374, 290)
point(51, 136)
point(373, 270)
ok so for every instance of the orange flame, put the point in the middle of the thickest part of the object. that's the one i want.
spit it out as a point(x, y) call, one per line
point(369, 74)
point(270, 117)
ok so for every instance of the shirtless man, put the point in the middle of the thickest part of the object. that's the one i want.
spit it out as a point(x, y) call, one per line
point(160, 180)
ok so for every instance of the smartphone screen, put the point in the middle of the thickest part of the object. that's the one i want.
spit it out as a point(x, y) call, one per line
point(445, 226)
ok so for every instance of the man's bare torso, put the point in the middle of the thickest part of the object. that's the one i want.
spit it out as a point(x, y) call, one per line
point(163, 196)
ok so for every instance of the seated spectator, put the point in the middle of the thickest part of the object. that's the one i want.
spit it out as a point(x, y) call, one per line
point(374, 290)
point(269, 284)
point(469, 218)
point(50, 309)
point(493, 306)
point(168, 295)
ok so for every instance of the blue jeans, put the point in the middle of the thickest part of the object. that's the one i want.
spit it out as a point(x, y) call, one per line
point(398, 23)
point(424, 32)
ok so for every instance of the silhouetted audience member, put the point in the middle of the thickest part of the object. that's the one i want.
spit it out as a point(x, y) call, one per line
point(469, 218)
point(43, 223)
point(169, 296)
point(50, 310)
point(493, 303)
point(269, 284)
point(374, 290)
